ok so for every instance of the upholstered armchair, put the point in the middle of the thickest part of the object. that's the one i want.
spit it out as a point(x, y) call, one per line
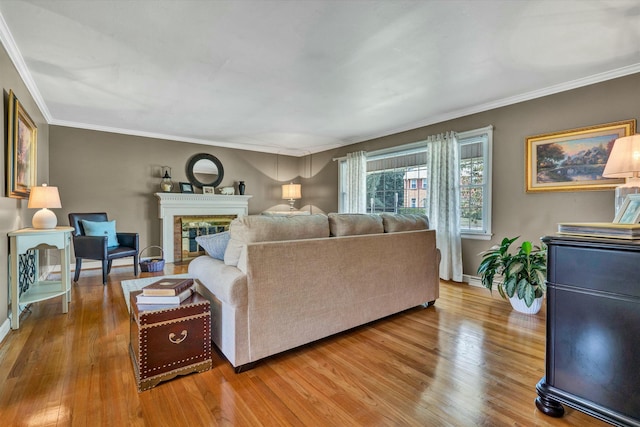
point(95, 237)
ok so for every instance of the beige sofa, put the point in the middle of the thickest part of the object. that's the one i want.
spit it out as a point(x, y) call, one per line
point(288, 281)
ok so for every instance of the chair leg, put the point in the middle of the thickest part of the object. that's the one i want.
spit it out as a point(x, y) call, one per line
point(76, 274)
point(109, 266)
point(105, 270)
point(135, 265)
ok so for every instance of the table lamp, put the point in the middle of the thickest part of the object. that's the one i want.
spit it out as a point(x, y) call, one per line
point(292, 192)
point(624, 162)
point(44, 197)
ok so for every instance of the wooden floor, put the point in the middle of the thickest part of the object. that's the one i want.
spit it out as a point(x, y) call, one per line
point(468, 361)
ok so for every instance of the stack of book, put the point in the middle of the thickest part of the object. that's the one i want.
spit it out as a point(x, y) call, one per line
point(165, 293)
point(601, 229)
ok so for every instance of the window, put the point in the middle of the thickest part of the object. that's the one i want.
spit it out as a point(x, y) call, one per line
point(475, 182)
point(397, 181)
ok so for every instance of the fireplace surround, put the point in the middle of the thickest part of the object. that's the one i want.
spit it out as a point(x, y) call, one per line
point(172, 205)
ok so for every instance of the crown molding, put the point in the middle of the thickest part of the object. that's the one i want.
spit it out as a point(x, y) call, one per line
point(504, 102)
point(18, 61)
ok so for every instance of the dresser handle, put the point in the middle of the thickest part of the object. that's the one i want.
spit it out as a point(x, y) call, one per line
point(173, 339)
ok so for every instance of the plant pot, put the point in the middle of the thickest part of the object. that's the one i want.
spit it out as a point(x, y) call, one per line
point(520, 306)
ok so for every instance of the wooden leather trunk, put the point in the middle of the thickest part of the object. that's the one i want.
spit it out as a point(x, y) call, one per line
point(170, 342)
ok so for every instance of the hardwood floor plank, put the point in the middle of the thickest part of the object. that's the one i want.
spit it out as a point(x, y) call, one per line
point(467, 361)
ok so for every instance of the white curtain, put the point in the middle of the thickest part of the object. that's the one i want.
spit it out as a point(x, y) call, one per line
point(443, 202)
point(356, 176)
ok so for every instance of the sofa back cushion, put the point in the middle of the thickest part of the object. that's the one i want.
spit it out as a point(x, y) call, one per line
point(344, 224)
point(263, 228)
point(404, 222)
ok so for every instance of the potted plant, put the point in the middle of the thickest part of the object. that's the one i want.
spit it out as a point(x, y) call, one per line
point(523, 273)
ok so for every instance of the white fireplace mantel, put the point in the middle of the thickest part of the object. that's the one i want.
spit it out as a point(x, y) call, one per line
point(171, 205)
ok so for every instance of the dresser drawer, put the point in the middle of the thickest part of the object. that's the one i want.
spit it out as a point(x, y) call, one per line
point(598, 269)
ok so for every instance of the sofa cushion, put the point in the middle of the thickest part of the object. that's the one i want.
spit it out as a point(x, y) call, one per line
point(214, 245)
point(404, 222)
point(342, 224)
point(262, 228)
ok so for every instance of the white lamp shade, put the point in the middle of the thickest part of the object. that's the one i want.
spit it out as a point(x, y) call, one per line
point(44, 197)
point(292, 191)
point(624, 160)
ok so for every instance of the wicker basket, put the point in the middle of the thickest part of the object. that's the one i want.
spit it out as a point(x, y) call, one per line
point(153, 264)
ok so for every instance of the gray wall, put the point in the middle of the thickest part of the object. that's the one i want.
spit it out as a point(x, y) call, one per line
point(515, 212)
point(13, 212)
point(117, 173)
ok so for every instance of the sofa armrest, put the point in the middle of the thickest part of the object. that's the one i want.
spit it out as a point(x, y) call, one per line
point(226, 282)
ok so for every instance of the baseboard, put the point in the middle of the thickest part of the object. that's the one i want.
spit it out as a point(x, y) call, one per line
point(4, 329)
point(472, 280)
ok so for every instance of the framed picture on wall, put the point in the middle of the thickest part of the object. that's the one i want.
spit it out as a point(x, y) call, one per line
point(186, 187)
point(573, 159)
point(22, 141)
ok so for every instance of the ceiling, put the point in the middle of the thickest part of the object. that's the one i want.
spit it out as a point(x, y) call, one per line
point(298, 77)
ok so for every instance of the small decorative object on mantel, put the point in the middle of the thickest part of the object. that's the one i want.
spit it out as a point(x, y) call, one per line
point(227, 191)
point(208, 189)
point(241, 188)
point(166, 184)
point(186, 187)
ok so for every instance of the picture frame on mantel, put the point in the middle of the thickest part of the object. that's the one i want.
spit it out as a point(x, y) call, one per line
point(22, 142)
point(573, 160)
point(186, 187)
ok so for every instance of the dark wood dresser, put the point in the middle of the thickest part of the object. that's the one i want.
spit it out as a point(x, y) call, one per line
point(593, 329)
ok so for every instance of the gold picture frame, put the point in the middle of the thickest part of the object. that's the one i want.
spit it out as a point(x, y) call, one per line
point(22, 142)
point(573, 160)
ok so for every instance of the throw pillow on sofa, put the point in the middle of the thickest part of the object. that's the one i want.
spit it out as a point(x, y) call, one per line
point(404, 222)
point(344, 224)
point(214, 245)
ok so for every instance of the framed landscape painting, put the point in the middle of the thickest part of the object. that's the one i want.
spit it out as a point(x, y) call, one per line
point(22, 141)
point(574, 159)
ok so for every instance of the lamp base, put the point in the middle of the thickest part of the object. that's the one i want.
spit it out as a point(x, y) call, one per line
point(622, 191)
point(44, 218)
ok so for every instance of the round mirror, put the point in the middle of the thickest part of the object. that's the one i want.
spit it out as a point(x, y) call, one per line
point(204, 169)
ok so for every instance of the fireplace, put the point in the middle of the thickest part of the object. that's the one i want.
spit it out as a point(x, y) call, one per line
point(187, 228)
point(179, 205)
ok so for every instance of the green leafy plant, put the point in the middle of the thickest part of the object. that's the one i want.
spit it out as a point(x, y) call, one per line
point(523, 272)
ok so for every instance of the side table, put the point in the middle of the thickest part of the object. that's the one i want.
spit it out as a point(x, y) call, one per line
point(20, 241)
point(168, 342)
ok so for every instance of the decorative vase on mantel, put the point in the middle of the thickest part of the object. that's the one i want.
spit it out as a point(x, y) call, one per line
point(241, 188)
